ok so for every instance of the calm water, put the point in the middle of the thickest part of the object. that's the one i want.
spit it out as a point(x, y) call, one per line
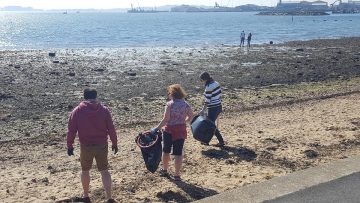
point(86, 30)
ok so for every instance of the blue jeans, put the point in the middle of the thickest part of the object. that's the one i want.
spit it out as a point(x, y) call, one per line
point(213, 114)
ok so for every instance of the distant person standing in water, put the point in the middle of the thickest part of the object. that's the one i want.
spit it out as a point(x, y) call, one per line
point(242, 38)
point(93, 123)
point(249, 39)
point(212, 103)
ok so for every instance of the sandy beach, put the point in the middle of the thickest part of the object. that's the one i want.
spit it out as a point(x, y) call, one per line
point(287, 107)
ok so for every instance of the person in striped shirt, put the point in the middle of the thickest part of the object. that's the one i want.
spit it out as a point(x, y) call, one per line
point(212, 103)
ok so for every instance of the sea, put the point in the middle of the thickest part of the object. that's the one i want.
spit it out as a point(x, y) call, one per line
point(39, 30)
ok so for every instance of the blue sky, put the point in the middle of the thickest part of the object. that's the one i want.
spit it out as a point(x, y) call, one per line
point(106, 4)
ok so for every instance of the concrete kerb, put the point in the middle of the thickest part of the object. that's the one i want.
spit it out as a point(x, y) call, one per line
point(280, 186)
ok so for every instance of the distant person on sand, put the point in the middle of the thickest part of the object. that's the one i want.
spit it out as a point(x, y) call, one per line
point(177, 112)
point(242, 38)
point(249, 39)
point(212, 103)
point(93, 123)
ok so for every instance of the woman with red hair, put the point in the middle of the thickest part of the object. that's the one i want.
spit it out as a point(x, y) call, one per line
point(173, 124)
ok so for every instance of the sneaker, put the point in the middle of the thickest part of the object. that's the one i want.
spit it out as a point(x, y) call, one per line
point(163, 173)
point(220, 144)
point(176, 178)
point(111, 201)
point(86, 200)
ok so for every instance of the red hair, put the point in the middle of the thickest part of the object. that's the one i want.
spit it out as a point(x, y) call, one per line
point(176, 91)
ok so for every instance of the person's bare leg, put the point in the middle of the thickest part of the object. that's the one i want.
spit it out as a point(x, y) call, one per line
point(106, 180)
point(165, 160)
point(178, 164)
point(85, 181)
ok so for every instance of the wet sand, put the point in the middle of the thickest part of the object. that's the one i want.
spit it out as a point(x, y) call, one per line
point(287, 107)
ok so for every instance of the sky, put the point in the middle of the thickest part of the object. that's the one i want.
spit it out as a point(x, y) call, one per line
point(107, 4)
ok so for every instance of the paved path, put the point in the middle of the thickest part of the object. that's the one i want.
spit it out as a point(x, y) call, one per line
point(345, 189)
point(334, 182)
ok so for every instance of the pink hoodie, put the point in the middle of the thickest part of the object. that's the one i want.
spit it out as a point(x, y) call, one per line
point(93, 123)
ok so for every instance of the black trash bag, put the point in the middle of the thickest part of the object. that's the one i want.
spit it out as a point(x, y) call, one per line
point(151, 149)
point(203, 129)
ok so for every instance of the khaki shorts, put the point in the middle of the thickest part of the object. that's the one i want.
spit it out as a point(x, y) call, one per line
point(89, 152)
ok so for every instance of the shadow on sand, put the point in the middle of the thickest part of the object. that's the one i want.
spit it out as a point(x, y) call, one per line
point(227, 152)
point(193, 192)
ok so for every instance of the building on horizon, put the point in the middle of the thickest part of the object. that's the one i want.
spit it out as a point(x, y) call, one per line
point(303, 5)
point(354, 2)
point(346, 7)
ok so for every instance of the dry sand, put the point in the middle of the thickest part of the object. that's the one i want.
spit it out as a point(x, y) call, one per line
point(287, 107)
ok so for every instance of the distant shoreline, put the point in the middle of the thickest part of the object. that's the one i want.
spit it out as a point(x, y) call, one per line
point(293, 13)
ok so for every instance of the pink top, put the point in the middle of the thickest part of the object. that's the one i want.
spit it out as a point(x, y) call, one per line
point(176, 125)
point(179, 110)
point(93, 123)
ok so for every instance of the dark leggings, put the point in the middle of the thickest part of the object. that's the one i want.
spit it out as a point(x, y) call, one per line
point(213, 113)
point(177, 145)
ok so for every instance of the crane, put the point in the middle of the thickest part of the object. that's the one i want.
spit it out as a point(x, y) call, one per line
point(340, 1)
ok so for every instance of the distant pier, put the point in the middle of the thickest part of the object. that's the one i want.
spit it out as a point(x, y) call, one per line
point(293, 13)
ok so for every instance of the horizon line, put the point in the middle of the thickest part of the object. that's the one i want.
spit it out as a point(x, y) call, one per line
point(119, 8)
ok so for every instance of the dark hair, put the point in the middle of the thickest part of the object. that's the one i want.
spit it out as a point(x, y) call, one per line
point(205, 76)
point(90, 93)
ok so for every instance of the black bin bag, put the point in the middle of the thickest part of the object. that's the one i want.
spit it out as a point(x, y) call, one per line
point(203, 129)
point(151, 149)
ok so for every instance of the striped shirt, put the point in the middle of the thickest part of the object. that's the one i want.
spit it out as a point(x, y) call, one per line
point(212, 94)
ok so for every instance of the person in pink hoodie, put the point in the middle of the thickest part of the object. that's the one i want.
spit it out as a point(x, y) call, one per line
point(92, 122)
